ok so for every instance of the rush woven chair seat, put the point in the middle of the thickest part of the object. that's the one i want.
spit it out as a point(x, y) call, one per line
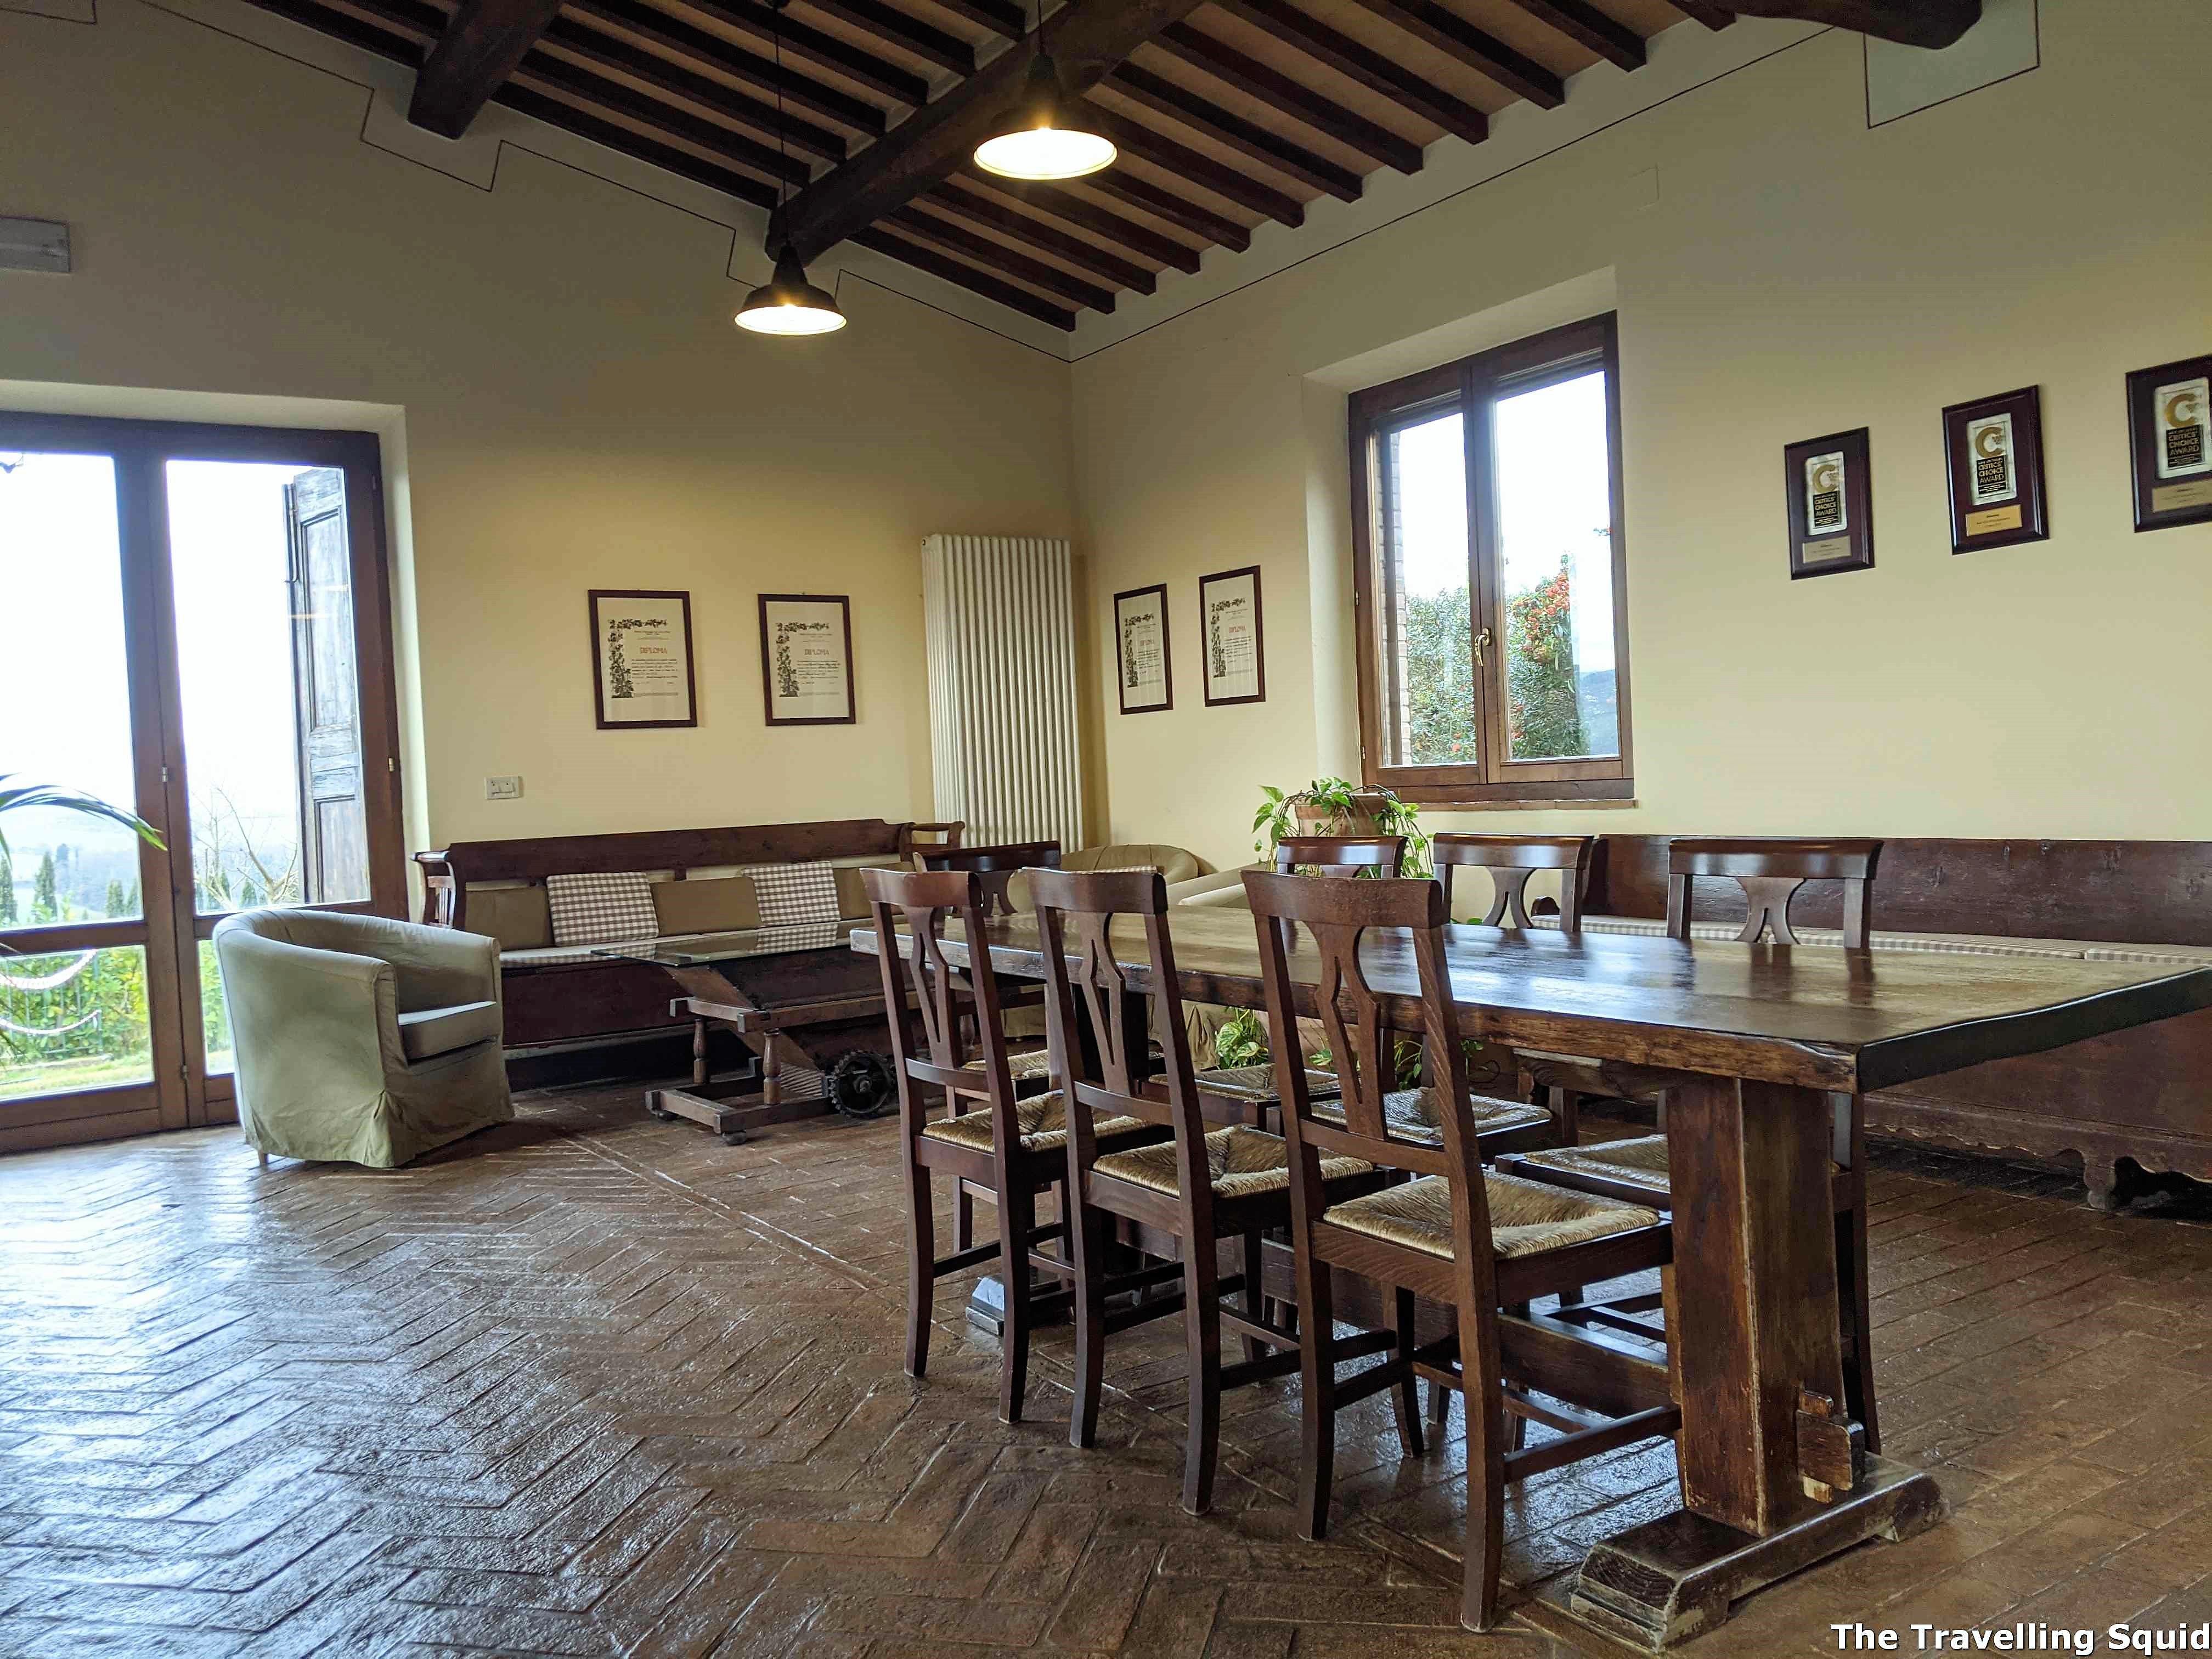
point(1772, 873)
point(1254, 1086)
point(1478, 1243)
point(1202, 1188)
point(1006, 1152)
point(1418, 1115)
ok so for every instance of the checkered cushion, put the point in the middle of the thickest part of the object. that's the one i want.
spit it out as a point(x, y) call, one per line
point(794, 893)
point(609, 909)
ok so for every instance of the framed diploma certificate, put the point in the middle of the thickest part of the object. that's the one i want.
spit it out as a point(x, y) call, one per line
point(1830, 500)
point(1228, 629)
point(642, 658)
point(2170, 437)
point(1994, 451)
point(807, 659)
point(1143, 672)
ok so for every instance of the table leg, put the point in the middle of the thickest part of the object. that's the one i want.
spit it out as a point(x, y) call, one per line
point(1770, 1482)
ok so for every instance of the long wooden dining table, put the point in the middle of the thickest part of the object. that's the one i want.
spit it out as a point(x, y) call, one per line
point(1760, 1048)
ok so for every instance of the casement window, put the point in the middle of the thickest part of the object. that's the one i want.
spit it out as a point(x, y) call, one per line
point(1486, 517)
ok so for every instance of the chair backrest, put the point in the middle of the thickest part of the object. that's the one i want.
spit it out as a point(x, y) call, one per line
point(1340, 855)
point(1511, 860)
point(997, 867)
point(1770, 873)
point(1338, 917)
point(1076, 915)
point(916, 961)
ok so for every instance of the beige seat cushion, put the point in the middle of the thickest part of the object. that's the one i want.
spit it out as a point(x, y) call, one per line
point(1640, 1163)
point(1412, 1114)
point(1174, 863)
point(1242, 1162)
point(1257, 1083)
point(721, 905)
point(1526, 1216)
point(515, 916)
point(1023, 1067)
point(852, 891)
point(441, 1031)
point(1044, 1122)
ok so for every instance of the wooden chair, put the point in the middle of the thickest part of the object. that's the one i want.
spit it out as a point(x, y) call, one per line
point(995, 867)
point(1205, 1185)
point(1511, 860)
point(1478, 1242)
point(1006, 1152)
point(1770, 873)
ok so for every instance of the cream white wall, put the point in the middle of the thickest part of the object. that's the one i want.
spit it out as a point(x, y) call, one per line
point(1780, 272)
point(578, 412)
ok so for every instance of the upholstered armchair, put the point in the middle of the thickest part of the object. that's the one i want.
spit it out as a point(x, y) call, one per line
point(359, 1039)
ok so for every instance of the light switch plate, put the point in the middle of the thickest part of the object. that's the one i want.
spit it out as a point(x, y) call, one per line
point(503, 788)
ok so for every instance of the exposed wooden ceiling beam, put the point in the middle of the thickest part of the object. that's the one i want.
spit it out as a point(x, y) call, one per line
point(1359, 62)
point(623, 141)
point(932, 45)
point(1159, 94)
point(956, 196)
point(1703, 11)
point(1065, 205)
point(393, 38)
point(1183, 162)
point(1457, 38)
point(1186, 45)
point(911, 252)
point(604, 51)
point(479, 49)
point(1009, 20)
point(911, 221)
point(1124, 186)
point(670, 35)
point(1586, 26)
point(557, 75)
point(1089, 37)
point(1933, 24)
point(811, 45)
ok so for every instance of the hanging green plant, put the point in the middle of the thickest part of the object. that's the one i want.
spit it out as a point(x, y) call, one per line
point(1337, 807)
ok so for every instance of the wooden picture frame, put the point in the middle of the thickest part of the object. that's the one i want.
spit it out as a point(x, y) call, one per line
point(1993, 451)
point(1141, 644)
point(1828, 493)
point(2170, 443)
point(640, 648)
point(1232, 637)
point(806, 659)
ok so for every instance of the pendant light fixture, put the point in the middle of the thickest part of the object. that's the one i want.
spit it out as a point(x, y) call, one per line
point(787, 303)
point(1043, 140)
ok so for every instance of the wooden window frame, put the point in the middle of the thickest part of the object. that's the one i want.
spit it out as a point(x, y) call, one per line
point(1471, 386)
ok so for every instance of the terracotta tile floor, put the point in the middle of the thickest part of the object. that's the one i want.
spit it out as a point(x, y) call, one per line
point(595, 1385)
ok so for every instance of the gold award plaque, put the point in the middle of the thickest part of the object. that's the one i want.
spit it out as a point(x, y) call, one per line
point(1990, 521)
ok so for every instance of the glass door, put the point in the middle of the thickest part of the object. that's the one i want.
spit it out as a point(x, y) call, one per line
point(209, 647)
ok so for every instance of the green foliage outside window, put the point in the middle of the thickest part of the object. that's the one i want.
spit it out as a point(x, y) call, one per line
point(1543, 706)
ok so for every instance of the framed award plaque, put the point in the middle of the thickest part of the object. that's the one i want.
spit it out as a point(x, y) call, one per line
point(1830, 499)
point(2169, 412)
point(1994, 450)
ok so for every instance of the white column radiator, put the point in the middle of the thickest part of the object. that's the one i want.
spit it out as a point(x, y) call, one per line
point(1001, 615)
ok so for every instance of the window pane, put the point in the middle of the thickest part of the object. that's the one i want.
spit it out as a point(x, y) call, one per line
point(214, 1016)
point(271, 701)
point(66, 713)
point(1429, 718)
point(74, 1021)
point(1555, 557)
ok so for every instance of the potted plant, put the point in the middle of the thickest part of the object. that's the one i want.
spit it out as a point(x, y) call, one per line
point(1336, 806)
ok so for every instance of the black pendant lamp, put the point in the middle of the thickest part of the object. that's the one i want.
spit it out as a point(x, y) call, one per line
point(1045, 139)
point(787, 303)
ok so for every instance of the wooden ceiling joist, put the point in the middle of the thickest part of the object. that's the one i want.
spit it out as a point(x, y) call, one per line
point(574, 85)
point(1183, 163)
point(1933, 24)
point(1141, 240)
point(479, 49)
point(1703, 11)
point(1333, 49)
point(1001, 16)
point(1449, 32)
point(1164, 97)
point(996, 256)
point(683, 40)
point(922, 257)
point(669, 157)
point(604, 51)
point(1089, 39)
point(1187, 45)
point(956, 198)
point(1586, 26)
point(804, 44)
point(931, 44)
point(1127, 188)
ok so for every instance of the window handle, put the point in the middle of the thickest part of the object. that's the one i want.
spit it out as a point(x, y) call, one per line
point(1481, 647)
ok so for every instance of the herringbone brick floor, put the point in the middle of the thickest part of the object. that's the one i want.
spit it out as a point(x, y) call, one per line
point(592, 1384)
